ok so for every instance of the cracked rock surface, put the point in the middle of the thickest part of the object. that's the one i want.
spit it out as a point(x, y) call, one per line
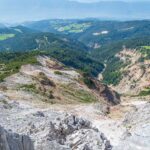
point(13, 141)
point(47, 129)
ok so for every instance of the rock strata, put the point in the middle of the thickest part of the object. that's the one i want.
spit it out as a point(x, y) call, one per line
point(71, 133)
point(13, 141)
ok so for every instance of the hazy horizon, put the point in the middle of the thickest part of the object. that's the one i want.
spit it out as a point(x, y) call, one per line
point(16, 11)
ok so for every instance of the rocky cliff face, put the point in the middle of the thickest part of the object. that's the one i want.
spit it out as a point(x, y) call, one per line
point(54, 129)
point(13, 141)
point(49, 130)
point(135, 74)
point(72, 132)
point(108, 94)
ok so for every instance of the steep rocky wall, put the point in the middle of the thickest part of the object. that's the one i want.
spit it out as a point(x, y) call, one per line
point(135, 73)
point(109, 95)
point(13, 141)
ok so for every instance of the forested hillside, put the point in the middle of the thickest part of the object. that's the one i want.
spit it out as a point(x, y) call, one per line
point(107, 54)
point(93, 32)
point(42, 41)
point(86, 44)
point(22, 48)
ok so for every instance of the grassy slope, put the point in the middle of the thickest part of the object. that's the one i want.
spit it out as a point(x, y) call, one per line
point(6, 36)
point(12, 62)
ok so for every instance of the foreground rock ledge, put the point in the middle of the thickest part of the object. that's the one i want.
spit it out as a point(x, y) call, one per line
point(66, 133)
point(13, 141)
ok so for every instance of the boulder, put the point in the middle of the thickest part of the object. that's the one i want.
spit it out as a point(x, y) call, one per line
point(70, 133)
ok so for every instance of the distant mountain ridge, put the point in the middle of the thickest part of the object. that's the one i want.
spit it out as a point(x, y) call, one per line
point(93, 32)
point(44, 9)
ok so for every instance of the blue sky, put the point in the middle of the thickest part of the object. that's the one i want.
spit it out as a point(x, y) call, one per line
point(91, 1)
point(27, 10)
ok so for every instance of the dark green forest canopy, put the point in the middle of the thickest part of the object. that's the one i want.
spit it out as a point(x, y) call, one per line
point(91, 31)
point(12, 61)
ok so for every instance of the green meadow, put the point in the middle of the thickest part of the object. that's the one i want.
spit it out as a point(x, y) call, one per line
point(6, 36)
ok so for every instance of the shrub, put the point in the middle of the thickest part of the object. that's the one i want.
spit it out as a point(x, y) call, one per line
point(44, 80)
point(145, 92)
point(58, 73)
point(29, 87)
point(88, 81)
